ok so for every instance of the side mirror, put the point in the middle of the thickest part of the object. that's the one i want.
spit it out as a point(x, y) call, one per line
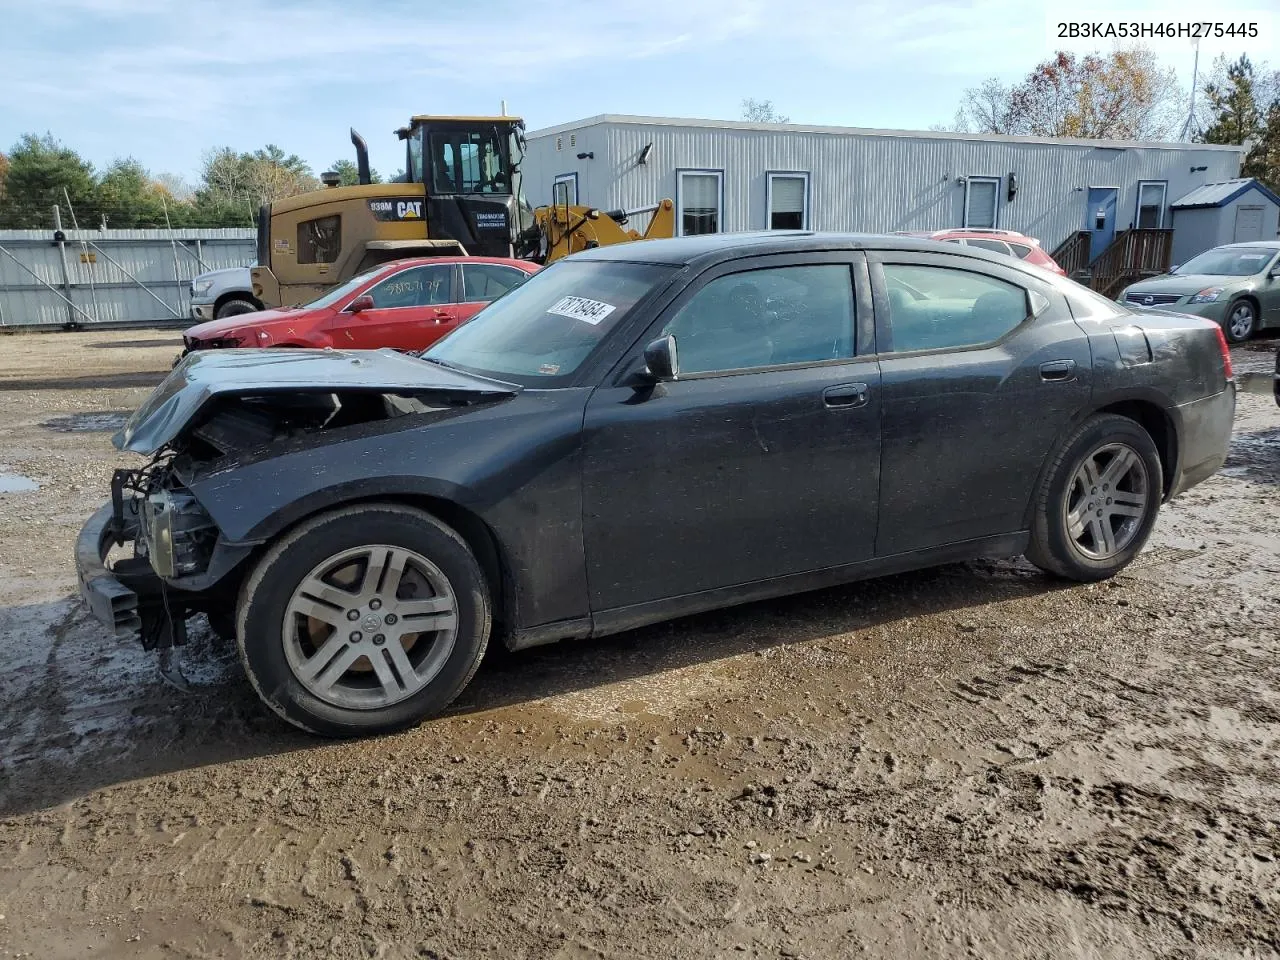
point(1274, 273)
point(660, 359)
point(1173, 267)
point(360, 303)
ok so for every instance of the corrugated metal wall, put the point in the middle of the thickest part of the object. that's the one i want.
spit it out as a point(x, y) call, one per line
point(866, 181)
point(149, 279)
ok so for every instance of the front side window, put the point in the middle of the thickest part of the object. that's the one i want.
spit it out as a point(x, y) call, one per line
point(1150, 205)
point(483, 282)
point(759, 318)
point(699, 202)
point(980, 198)
point(415, 287)
point(933, 308)
point(1229, 262)
point(542, 332)
point(788, 201)
point(320, 240)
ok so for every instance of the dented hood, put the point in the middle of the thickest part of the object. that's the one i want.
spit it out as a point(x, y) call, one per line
point(203, 375)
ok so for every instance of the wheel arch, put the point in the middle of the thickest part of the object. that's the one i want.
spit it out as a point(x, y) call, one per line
point(1146, 408)
point(222, 300)
point(478, 534)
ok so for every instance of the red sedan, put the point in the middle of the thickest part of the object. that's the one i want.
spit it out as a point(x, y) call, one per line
point(406, 304)
point(1009, 242)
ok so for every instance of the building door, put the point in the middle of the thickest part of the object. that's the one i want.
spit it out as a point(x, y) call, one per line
point(1248, 224)
point(1101, 219)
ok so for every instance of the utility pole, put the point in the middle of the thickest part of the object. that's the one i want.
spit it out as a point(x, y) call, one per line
point(1190, 128)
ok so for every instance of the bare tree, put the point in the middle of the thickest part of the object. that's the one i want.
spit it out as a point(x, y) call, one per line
point(761, 111)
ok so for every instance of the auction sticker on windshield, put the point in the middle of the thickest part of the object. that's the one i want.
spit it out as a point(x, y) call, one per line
point(580, 308)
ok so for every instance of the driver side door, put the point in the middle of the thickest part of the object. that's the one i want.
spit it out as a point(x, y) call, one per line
point(761, 460)
point(409, 307)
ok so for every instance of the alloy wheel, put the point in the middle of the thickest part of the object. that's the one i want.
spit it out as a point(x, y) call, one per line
point(370, 626)
point(1107, 500)
point(1240, 320)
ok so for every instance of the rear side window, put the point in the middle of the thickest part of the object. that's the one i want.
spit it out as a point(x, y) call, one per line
point(801, 314)
point(1020, 250)
point(995, 246)
point(320, 240)
point(415, 287)
point(483, 282)
point(934, 308)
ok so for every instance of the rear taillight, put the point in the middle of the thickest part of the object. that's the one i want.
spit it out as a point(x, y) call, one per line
point(1226, 352)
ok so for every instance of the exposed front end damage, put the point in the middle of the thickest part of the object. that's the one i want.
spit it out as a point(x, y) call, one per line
point(155, 556)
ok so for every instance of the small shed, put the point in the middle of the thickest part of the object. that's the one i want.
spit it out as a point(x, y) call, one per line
point(1232, 211)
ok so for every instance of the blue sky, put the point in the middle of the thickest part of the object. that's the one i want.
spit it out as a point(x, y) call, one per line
point(165, 81)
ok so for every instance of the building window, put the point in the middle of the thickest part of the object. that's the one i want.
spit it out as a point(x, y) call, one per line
point(787, 200)
point(568, 193)
point(698, 202)
point(320, 240)
point(1150, 215)
point(981, 196)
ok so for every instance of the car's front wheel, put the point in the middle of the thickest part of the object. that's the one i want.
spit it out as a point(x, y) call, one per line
point(1241, 321)
point(1098, 501)
point(365, 620)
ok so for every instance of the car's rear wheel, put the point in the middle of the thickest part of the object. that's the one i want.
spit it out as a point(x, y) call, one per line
point(233, 308)
point(363, 621)
point(1098, 501)
point(1241, 321)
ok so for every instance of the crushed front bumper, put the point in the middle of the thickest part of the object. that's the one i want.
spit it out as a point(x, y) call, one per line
point(108, 599)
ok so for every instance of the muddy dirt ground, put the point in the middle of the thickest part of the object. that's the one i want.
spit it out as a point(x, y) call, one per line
point(971, 761)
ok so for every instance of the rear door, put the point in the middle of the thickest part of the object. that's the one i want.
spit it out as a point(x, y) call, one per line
point(482, 283)
point(409, 309)
point(762, 459)
point(982, 367)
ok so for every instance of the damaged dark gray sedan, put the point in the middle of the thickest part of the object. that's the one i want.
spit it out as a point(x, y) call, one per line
point(637, 433)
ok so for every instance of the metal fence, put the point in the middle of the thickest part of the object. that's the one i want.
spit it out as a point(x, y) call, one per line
point(110, 276)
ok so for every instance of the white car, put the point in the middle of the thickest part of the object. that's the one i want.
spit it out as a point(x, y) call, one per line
point(223, 293)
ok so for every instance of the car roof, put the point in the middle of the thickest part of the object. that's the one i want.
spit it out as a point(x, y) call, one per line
point(1269, 244)
point(712, 247)
point(417, 261)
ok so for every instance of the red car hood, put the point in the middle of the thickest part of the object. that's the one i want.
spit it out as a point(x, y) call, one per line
point(243, 323)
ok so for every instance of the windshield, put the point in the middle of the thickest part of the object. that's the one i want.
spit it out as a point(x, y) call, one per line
point(1229, 262)
point(337, 293)
point(413, 171)
point(540, 333)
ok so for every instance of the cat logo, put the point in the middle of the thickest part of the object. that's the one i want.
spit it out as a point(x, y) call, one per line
point(396, 210)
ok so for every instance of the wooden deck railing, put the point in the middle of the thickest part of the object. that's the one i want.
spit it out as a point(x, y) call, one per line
point(1132, 256)
point(1072, 255)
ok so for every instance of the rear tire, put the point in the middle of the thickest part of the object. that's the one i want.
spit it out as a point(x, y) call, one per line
point(1098, 501)
point(326, 635)
point(235, 307)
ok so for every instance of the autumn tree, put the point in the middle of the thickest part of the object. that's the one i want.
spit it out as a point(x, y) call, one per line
point(1125, 95)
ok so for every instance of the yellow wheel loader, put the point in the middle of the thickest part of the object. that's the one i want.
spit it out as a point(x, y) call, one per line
point(462, 193)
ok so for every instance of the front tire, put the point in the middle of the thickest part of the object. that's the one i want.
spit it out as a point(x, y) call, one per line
point(233, 308)
point(362, 621)
point(1241, 321)
point(1098, 501)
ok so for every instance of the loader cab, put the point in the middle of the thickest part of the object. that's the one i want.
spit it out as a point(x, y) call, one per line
point(470, 168)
